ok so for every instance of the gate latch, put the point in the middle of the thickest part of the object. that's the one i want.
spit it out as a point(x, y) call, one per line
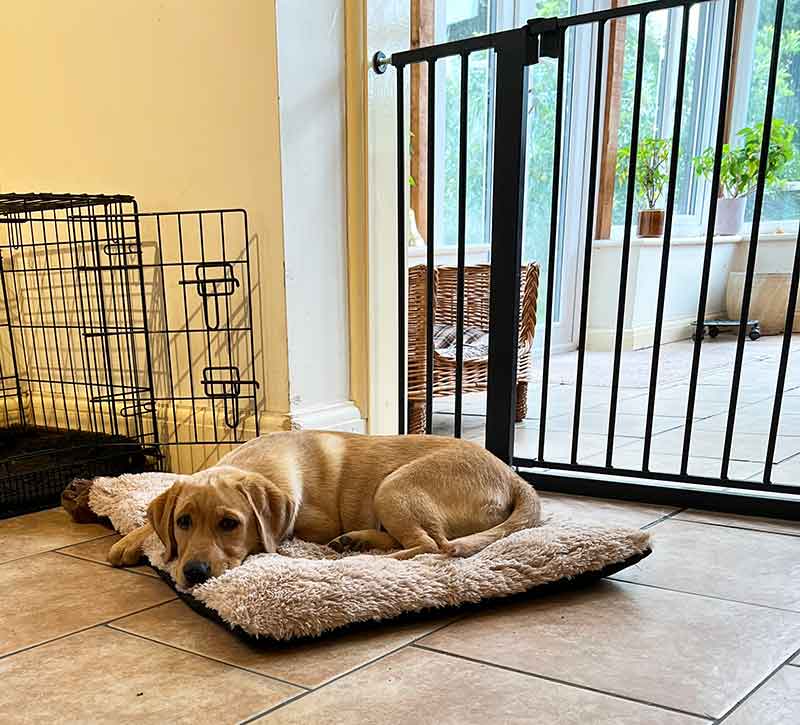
point(548, 31)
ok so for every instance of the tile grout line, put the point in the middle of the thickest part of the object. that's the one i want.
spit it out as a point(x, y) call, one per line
point(127, 569)
point(738, 528)
point(665, 517)
point(269, 711)
point(566, 683)
point(360, 667)
point(120, 630)
point(761, 684)
point(56, 550)
point(95, 625)
point(30, 647)
point(614, 578)
point(85, 541)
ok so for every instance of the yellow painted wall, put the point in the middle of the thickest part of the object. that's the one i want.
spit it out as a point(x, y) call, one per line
point(173, 101)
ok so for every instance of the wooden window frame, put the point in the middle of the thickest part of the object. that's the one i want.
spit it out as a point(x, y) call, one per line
point(423, 29)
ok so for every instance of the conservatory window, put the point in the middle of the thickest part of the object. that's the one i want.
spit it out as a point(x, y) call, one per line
point(782, 199)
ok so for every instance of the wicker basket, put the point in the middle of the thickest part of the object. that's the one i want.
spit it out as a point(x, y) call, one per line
point(476, 315)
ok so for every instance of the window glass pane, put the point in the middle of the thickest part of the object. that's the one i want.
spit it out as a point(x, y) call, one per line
point(654, 77)
point(539, 154)
point(464, 19)
point(782, 201)
point(659, 88)
point(541, 135)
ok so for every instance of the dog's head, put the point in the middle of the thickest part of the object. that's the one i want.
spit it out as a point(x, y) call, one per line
point(213, 520)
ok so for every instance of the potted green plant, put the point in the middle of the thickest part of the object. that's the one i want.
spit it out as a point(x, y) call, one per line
point(651, 178)
point(739, 170)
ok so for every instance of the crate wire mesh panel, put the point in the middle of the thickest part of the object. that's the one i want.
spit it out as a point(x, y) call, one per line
point(197, 272)
point(517, 53)
point(123, 336)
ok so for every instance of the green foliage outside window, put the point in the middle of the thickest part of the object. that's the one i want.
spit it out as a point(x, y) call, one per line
point(740, 163)
point(781, 202)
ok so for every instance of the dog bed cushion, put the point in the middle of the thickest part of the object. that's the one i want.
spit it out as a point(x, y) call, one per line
point(307, 589)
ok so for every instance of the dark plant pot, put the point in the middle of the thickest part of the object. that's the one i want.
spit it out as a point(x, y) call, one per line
point(730, 215)
point(651, 223)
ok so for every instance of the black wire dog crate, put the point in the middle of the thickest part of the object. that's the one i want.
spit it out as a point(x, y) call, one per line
point(126, 341)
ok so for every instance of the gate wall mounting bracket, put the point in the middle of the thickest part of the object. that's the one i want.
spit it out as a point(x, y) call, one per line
point(380, 62)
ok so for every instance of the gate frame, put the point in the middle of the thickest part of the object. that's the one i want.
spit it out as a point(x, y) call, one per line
point(517, 50)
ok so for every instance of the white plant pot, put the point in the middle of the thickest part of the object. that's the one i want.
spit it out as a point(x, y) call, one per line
point(730, 216)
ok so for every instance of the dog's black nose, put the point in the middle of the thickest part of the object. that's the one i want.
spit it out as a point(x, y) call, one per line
point(196, 572)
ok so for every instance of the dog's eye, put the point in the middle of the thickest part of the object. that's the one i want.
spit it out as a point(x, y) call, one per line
point(228, 524)
point(184, 521)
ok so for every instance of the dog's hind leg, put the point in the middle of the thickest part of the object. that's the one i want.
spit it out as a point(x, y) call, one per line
point(407, 512)
point(425, 545)
point(453, 505)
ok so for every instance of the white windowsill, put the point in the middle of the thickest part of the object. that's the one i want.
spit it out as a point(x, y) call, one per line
point(697, 240)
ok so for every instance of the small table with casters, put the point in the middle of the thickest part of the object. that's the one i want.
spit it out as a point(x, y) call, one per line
point(714, 327)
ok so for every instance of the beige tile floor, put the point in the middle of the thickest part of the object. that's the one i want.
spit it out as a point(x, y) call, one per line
point(705, 630)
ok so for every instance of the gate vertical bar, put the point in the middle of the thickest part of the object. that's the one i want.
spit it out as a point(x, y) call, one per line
point(401, 255)
point(430, 304)
point(551, 255)
point(753, 251)
point(626, 239)
point(705, 277)
point(668, 223)
point(791, 307)
point(507, 207)
point(462, 240)
point(590, 222)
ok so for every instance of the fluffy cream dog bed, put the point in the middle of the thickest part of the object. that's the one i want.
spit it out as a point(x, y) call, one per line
point(307, 589)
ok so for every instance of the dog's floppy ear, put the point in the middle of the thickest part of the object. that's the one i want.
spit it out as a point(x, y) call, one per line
point(273, 510)
point(160, 513)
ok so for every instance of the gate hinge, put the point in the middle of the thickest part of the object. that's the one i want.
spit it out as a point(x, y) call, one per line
point(548, 33)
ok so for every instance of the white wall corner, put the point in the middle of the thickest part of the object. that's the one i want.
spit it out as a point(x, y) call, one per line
point(311, 74)
point(344, 416)
point(388, 27)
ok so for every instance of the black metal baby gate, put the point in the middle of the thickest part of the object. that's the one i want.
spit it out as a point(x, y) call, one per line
point(517, 53)
point(126, 340)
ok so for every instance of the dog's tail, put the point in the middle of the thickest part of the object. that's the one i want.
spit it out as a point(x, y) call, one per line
point(526, 512)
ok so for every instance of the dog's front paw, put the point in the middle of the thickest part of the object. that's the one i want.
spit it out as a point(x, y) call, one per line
point(126, 552)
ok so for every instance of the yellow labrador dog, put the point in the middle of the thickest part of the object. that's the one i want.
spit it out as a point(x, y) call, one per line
point(419, 494)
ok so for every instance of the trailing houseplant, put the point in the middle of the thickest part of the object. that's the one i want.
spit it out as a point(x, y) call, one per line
point(652, 158)
point(739, 169)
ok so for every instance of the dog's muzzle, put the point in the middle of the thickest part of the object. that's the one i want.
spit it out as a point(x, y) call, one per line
point(196, 572)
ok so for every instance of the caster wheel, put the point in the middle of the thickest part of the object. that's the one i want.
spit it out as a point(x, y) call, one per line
point(754, 335)
point(713, 331)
